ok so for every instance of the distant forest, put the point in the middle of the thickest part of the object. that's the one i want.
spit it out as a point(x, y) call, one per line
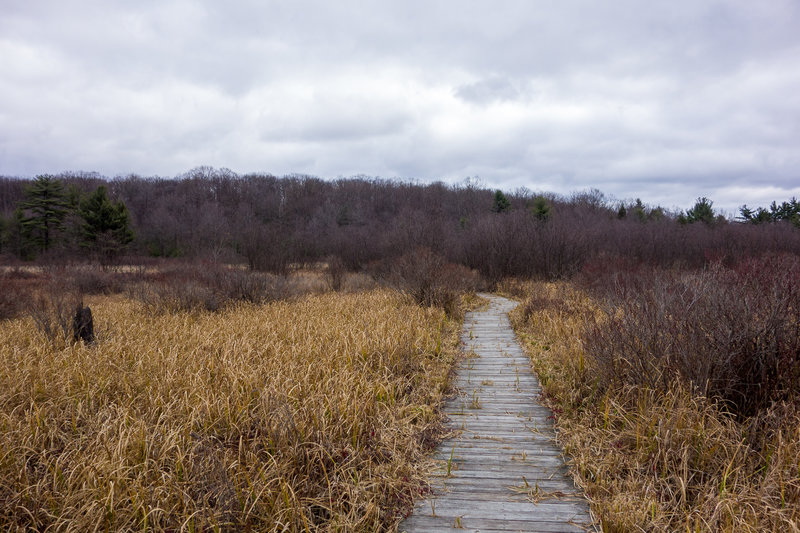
point(274, 223)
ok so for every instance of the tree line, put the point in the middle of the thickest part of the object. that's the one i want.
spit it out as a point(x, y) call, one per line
point(272, 223)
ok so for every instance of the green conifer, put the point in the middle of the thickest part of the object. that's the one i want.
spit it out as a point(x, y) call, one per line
point(44, 209)
point(500, 203)
point(106, 224)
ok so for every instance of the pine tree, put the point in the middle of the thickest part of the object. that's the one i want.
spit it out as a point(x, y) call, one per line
point(501, 203)
point(106, 225)
point(701, 212)
point(788, 211)
point(639, 210)
point(44, 210)
point(541, 208)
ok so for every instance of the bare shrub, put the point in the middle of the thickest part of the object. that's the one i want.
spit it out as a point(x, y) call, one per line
point(335, 271)
point(358, 282)
point(428, 278)
point(731, 333)
point(252, 287)
point(175, 294)
point(52, 309)
point(92, 280)
point(610, 276)
point(205, 287)
point(14, 293)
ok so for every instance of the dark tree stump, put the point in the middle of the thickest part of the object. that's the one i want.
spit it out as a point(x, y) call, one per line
point(82, 325)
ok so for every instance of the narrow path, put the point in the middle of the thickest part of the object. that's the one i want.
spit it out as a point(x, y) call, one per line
point(502, 470)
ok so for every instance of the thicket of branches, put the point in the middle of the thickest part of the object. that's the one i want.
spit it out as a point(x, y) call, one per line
point(728, 333)
point(271, 223)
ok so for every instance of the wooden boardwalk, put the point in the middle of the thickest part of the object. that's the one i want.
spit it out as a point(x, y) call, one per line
point(501, 470)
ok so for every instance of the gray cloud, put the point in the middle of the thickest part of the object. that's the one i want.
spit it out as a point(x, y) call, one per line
point(488, 90)
point(665, 101)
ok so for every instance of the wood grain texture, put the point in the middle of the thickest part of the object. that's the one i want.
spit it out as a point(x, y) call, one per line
point(502, 469)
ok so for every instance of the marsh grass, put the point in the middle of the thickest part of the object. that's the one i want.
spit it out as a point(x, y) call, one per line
point(304, 415)
point(663, 458)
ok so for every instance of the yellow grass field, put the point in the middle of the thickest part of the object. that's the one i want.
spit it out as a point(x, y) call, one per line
point(307, 415)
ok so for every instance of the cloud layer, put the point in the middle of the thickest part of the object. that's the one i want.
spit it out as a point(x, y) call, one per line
point(665, 101)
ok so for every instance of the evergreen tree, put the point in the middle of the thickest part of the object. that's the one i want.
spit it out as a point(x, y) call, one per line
point(500, 203)
point(758, 216)
point(747, 214)
point(44, 210)
point(787, 211)
point(73, 197)
point(639, 210)
point(656, 213)
point(701, 212)
point(541, 208)
point(106, 224)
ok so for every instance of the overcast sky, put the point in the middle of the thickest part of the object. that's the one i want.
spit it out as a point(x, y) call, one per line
point(663, 100)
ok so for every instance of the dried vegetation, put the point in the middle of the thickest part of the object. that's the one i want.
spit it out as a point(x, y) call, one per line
point(676, 393)
point(428, 279)
point(311, 414)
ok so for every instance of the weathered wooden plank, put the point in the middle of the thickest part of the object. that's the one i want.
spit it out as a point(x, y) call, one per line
point(504, 484)
point(503, 465)
point(486, 407)
point(468, 446)
point(485, 434)
point(530, 472)
point(501, 509)
point(440, 524)
point(517, 456)
point(452, 502)
point(476, 453)
point(515, 414)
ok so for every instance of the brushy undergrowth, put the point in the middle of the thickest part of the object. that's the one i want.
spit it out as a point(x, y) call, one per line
point(13, 295)
point(309, 415)
point(191, 287)
point(729, 333)
point(428, 278)
point(665, 455)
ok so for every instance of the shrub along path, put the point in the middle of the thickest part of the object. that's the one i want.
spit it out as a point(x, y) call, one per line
point(502, 470)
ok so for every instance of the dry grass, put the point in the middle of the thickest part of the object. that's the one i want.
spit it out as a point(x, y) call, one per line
point(309, 415)
point(658, 460)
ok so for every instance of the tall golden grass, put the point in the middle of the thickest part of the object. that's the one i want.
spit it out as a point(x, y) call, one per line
point(657, 460)
point(309, 415)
